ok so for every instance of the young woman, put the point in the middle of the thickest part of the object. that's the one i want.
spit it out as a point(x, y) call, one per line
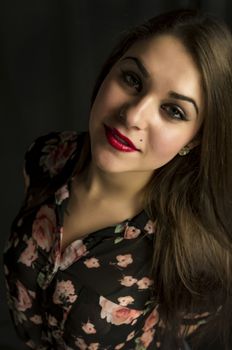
point(124, 238)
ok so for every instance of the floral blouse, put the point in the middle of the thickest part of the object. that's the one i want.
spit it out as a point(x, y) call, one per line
point(97, 293)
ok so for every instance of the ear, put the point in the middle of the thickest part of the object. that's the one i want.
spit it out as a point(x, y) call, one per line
point(194, 143)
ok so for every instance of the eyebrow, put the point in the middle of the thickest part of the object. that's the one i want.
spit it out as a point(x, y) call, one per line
point(172, 94)
point(177, 96)
point(139, 65)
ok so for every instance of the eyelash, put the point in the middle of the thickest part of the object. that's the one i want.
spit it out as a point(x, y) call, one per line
point(182, 115)
point(127, 76)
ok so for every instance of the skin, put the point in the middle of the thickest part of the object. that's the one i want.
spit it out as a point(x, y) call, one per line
point(153, 119)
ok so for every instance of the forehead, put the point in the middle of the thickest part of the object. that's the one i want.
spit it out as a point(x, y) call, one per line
point(169, 64)
point(164, 46)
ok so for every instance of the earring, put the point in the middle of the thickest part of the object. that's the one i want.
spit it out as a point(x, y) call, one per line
point(122, 112)
point(121, 115)
point(184, 151)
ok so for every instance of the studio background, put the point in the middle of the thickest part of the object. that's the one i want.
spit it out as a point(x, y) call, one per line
point(51, 52)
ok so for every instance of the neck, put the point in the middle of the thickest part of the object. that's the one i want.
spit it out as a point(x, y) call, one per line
point(126, 187)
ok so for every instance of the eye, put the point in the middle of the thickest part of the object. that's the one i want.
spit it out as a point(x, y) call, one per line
point(132, 80)
point(174, 111)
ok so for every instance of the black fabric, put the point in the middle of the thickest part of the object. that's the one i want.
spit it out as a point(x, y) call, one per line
point(97, 292)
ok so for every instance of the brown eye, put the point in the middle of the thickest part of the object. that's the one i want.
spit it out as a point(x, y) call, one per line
point(174, 112)
point(132, 80)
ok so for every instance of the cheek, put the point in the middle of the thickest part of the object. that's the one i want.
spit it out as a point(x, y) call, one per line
point(169, 141)
point(108, 98)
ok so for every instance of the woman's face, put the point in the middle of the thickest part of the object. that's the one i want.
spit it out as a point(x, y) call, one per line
point(153, 97)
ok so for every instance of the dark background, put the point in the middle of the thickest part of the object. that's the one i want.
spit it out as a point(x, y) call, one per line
point(51, 52)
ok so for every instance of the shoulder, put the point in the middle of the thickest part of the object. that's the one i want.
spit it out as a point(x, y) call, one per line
point(50, 154)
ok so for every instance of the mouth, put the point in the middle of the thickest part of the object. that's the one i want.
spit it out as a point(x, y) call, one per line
point(118, 140)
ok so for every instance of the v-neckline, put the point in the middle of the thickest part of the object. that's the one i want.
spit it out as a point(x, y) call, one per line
point(103, 232)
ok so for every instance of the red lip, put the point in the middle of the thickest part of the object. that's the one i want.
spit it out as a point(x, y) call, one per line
point(114, 136)
point(124, 138)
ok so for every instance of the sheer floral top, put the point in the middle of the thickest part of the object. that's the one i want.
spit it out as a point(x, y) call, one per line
point(97, 293)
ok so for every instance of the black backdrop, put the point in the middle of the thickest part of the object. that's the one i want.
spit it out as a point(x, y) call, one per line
point(51, 52)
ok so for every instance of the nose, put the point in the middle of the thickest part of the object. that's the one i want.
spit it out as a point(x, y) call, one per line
point(139, 112)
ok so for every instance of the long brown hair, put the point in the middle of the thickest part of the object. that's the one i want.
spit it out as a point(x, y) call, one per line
point(190, 198)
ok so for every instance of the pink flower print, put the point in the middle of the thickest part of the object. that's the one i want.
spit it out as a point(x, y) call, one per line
point(31, 344)
point(116, 314)
point(93, 346)
point(89, 328)
point(151, 320)
point(36, 319)
point(24, 300)
point(128, 281)
point(123, 315)
point(150, 226)
point(92, 263)
point(43, 227)
point(81, 344)
point(127, 300)
point(144, 283)
point(31, 293)
point(30, 254)
point(119, 346)
point(61, 194)
point(130, 336)
point(55, 255)
point(64, 292)
point(147, 338)
point(56, 155)
point(58, 335)
point(52, 321)
point(72, 253)
point(124, 260)
point(131, 232)
point(68, 135)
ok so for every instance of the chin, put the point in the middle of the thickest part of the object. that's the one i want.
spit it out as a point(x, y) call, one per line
point(108, 167)
point(109, 164)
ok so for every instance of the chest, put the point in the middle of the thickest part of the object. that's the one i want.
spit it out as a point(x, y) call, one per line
point(80, 221)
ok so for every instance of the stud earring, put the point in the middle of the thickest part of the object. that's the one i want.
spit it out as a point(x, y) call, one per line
point(184, 151)
point(121, 114)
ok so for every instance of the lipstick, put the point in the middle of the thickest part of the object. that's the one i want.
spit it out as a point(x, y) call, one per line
point(119, 141)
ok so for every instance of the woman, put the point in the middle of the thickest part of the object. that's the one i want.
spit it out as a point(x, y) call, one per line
point(124, 238)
